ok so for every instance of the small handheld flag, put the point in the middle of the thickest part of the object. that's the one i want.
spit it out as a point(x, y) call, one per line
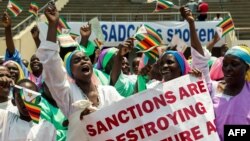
point(146, 29)
point(140, 30)
point(154, 33)
point(34, 8)
point(14, 8)
point(66, 40)
point(31, 100)
point(62, 24)
point(164, 4)
point(148, 43)
point(148, 39)
point(225, 26)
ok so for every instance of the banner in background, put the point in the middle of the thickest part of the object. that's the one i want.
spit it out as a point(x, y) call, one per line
point(166, 113)
point(120, 31)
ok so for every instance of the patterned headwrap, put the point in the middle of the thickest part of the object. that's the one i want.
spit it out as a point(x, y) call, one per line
point(21, 73)
point(105, 57)
point(184, 66)
point(242, 52)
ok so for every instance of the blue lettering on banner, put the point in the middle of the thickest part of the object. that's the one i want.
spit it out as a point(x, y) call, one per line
point(159, 31)
point(112, 35)
point(121, 32)
point(178, 32)
point(130, 27)
point(186, 35)
point(202, 35)
point(210, 33)
point(105, 34)
point(169, 35)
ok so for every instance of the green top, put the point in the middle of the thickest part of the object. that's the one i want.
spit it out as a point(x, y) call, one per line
point(142, 81)
point(56, 117)
point(103, 77)
point(124, 85)
point(89, 50)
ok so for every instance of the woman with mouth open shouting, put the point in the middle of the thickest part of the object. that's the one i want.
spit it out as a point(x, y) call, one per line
point(63, 89)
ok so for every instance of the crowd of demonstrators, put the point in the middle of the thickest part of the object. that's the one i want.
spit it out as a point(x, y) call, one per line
point(104, 77)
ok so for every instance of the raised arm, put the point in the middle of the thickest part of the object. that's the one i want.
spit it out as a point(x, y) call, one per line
point(53, 71)
point(85, 32)
point(85, 43)
point(52, 15)
point(195, 43)
point(11, 52)
point(35, 34)
point(200, 56)
point(6, 20)
point(211, 44)
point(117, 66)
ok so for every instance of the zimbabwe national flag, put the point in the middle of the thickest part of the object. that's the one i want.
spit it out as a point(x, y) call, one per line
point(34, 8)
point(31, 100)
point(225, 26)
point(147, 44)
point(154, 33)
point(147, 30)
point(163, 4)
point(153, 54)
point(14, 8)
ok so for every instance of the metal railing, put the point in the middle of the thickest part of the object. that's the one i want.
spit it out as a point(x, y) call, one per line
point(83, 17)
point(173, 16)
point(243, 30)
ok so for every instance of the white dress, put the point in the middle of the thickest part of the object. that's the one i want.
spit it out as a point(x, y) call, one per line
point(66, 92)
point(12, 128)
point(9, 106)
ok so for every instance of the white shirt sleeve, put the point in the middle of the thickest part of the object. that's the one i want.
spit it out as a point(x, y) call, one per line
point(44, 131)
point(200, 62)
point(108, 95)
point(2, 115)
point(55, 75)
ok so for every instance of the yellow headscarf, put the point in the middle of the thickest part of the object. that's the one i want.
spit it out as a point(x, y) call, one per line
point(21, 73)
point(243, 52)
